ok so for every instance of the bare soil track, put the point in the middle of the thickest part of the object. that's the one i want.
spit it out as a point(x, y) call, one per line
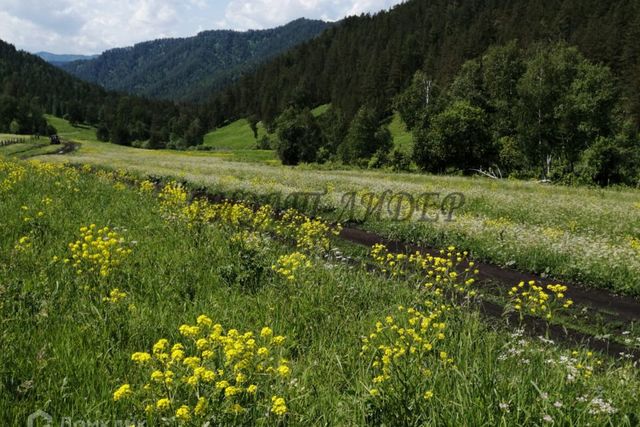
point(67, 147)
point(624, 308)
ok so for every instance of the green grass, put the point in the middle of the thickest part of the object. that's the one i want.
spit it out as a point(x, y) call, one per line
point(320, 110)
point(80, 133)
point(402, 138)
point(234, 136)
point(26, 150)
point(249, 155)
point(11, 136)
point(588, 235)
point(67, 350)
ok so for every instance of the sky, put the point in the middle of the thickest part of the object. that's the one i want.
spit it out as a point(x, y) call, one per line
point(92, 26)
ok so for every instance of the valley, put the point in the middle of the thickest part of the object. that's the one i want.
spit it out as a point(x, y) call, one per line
point(395, 213)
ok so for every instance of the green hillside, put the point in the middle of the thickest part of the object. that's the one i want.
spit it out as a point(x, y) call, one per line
point(76, 133)
point(236, 142)
point(320, 110)
point(234, 136)
point(402, 138)
point(30, 87)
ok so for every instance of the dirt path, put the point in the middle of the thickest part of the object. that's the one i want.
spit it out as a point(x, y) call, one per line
point(624, 308)
point(67, 147)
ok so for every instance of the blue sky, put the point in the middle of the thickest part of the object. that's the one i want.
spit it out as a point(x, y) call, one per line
point(92, 26)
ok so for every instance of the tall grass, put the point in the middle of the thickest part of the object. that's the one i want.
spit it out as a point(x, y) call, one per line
point(66, 350)
point(582, 234)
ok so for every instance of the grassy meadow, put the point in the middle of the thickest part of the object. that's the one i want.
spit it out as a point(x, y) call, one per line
point(80, 133)
point(587, 235)
point(238, 136)
point(235, 136)
point(402, 139)
point(122, 301)
point(11, 136)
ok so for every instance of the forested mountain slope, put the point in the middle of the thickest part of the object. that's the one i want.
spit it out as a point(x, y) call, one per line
point(53, 58)
point(188, 68)
point(29, 87)
point(369, 59)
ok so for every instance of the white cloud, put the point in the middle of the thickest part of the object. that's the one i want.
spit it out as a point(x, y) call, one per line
point(91, 26)
point(247, 14)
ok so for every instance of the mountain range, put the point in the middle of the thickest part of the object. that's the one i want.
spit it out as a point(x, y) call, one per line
point(187, 68)
point(55, 59)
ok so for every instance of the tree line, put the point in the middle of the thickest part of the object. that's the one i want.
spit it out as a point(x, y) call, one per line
point(369, 59)
point(539, 112)
point(544, 111)
point(30, 87)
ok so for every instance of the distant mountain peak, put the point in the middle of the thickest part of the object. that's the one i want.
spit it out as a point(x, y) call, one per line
point(54, 58)
point(192, 67)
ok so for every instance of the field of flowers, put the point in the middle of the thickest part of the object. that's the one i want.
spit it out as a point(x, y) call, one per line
point(122, 300)
point(584, 235)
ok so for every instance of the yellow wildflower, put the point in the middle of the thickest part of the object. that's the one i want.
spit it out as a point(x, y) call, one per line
point(278, 406)
point(122, 393)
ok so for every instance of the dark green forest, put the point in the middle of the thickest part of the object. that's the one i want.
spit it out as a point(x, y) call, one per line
point(30, 87)
point(370, 59)
point(545, 112)
point(566, 106)
point(193, 67)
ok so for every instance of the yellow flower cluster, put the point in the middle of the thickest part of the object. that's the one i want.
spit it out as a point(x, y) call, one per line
point(117, 177)
point(175, 206)
point(115, 296)
point(312, 235)
point(11, 173)
point(123, 392)
point(97, 251)
point(173, 197)
point(289, 265)
point(196, 213)
point(535, 299)
point(146, 187)
point(24, 244)
point(279, 407)
point(61, 175)
point(239, 215)
point(406, 354)
point(213, 374)
point(448, 271)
